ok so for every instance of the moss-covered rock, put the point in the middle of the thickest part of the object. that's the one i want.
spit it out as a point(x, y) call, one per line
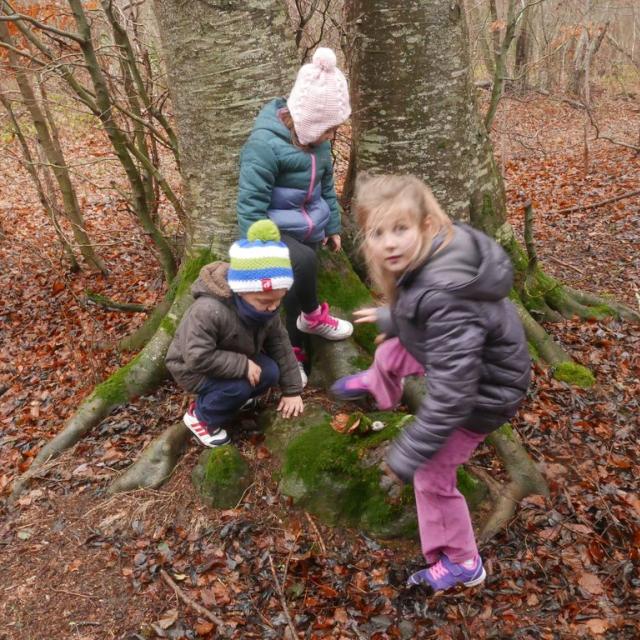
point(575, 374)
point(221, 476)
point(337, 477)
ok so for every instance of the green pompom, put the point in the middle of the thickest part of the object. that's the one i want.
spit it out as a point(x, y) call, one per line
point(264, 230)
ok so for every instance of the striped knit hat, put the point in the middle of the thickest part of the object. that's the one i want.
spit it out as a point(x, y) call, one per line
point(261, 262)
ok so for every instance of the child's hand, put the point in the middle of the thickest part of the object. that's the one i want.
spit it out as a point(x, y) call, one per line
point(253, 373)
point(334, 241)
point(366, 315)
point(291, 406)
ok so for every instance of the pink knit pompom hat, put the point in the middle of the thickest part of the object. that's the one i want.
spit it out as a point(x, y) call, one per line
point(319, 99)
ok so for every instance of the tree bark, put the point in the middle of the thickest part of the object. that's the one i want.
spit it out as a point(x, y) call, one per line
point(414, 104)
point(224, 61)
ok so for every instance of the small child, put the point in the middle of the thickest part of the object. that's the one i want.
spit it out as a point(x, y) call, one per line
point(447, 285)
point(286, 174)
point(231, 345)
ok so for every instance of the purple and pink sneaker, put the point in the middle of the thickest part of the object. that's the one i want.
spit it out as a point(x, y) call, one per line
point(445, 574)
point(350, 387)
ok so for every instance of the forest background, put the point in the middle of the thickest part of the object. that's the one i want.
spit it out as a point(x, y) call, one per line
point(558, 86)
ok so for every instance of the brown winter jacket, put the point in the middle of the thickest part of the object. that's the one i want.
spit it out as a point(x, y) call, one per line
point(213, 342)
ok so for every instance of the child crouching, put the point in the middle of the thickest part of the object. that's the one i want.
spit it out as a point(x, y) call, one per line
point(231, 345)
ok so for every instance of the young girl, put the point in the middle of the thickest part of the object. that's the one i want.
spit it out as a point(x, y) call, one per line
point(286, 174)
point(230, 345)
point(449, 317)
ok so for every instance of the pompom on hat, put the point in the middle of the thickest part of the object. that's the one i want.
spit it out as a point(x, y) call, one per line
point(261, 262)
point(319, 99)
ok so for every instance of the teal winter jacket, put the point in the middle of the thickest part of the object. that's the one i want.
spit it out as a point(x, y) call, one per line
point(280, 181)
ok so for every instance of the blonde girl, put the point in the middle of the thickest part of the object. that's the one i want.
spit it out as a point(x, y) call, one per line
point(449, 318)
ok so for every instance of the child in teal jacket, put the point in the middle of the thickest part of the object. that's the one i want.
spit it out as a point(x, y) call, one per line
point(286, 174)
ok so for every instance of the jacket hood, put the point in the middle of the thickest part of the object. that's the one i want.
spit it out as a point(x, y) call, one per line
point(268, 119)
point(212, 281)
point(472, 265)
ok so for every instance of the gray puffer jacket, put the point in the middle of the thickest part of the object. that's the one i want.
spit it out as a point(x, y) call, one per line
point(213, 342)
point(453, 316)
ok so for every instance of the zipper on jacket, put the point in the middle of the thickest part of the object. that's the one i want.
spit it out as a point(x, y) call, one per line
point(308, 196)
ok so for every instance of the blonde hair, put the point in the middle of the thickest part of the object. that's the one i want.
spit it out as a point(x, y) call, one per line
point(379, 198)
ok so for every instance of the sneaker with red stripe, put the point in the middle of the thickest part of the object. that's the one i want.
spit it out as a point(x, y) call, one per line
point(199, 429)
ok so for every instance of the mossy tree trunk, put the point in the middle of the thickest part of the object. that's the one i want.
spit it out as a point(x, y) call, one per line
point(414, 111)
point(223, 61)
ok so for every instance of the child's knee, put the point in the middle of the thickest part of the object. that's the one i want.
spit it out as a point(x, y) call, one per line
point(387, 351)
point(270, 373)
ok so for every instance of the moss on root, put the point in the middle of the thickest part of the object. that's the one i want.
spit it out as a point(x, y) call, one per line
point(574, 374)
point(221, 476)
point(330, 464)
point(115, 390)
point(190, 269)
point(337, 477)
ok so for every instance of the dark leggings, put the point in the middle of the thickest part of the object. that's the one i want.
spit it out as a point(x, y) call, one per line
point(303, 295)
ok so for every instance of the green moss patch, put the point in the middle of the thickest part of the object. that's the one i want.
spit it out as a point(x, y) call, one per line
point(327, 473)
point(574, 374)
point(221, 476)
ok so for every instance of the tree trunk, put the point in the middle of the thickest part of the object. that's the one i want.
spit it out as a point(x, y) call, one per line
point(414, 104)
point(54, 156)
point(224, 61)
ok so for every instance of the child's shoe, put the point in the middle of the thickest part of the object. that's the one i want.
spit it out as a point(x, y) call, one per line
point(301, 358)
point(199, 429)
point(322, 323)
point(350, 387)
point(445, 574)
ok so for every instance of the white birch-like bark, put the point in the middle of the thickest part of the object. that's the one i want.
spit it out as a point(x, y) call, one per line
point(224, 61)
point(414, 107)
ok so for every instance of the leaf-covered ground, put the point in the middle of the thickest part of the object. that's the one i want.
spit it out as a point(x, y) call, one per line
point(77, 564)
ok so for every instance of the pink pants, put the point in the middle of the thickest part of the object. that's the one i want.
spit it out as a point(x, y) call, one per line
point(443, 515)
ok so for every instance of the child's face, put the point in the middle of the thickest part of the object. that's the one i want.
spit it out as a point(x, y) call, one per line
point(264, 300)
point(394, 243)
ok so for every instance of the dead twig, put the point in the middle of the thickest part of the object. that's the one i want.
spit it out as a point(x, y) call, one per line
point(565, 264)
point(595, 205)
point(205, 613)
point(323, 548)
point(283, 602)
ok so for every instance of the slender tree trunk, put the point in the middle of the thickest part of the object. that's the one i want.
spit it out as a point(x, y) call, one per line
point(47, 201)
point(54, 156)
point(119, 142)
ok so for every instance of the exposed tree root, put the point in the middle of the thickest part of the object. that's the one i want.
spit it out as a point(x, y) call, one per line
point(140, 376)
point(526, 479)
point(136, 340)
point(156, 463)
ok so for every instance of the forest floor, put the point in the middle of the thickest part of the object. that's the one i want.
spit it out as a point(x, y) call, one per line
point(77, 564)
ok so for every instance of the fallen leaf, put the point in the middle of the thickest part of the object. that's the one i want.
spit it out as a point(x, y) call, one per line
point(591, 583)
point(597, 625)
point(203, 628)
point(168, 619)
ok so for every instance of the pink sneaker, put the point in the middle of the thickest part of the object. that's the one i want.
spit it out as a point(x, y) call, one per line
point(322, 323)
point(301, 357)
point(215, 438)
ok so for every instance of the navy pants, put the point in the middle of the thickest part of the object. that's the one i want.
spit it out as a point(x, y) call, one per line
point(220, 398)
